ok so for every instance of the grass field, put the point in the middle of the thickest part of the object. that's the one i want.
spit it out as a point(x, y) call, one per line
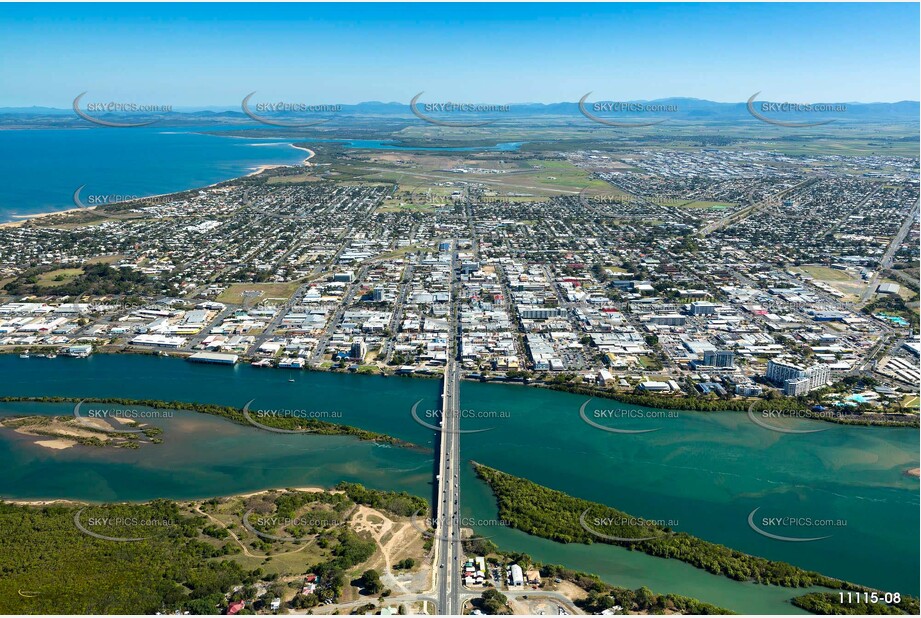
point(699, 204)
point(57, 277)
point(538, 177)
point(402, 251)
point(541, 173)
point(235, 293)
point(824, 273)
point(911, 401)
point(282, 557)
point(295, 179)
point(391, 207)
point(105, 259)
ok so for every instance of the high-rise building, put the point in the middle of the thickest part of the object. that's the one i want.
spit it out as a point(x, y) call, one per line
point(702, 308)
point(796, 379)
point(359, 350)
point(719, 358)
point(794, 387)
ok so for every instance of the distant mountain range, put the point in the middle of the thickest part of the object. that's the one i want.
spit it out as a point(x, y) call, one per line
point(685, 109)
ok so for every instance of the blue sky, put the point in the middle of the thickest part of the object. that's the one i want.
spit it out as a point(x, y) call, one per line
point(214, 54)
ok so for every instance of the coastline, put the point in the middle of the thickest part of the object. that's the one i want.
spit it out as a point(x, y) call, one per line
point(20, 220)
point(52, 501)
point(684, 404)
point(669, 403)
point(262, 168)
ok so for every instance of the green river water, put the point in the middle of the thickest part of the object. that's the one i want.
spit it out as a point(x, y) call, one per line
point(703, 471)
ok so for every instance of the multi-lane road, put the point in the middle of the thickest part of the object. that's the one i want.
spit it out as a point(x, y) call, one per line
point(886, 261)
point(448, 548)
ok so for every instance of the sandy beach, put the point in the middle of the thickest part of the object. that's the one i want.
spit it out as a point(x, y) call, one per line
point(309, 490)
point(57, 444)
point(24, 218)
point(312, 490)
point(306, 162)
point(309, 156)
point(258, 170)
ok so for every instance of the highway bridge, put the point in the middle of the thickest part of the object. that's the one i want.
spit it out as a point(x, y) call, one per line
point(448, 549)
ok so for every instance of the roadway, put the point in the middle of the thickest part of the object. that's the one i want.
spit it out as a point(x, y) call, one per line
point(405, 286)
point(334, 320)
point(748, 211)
point(448, 548)
point(886, 262)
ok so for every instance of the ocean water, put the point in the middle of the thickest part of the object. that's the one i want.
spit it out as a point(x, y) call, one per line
point(40, 169)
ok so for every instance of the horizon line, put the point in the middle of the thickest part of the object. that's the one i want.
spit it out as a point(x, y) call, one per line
point(236, 106)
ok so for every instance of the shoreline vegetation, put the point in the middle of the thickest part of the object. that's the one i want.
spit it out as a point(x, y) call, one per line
point(208, 543)
point(787, 406)
point(61, 432)
point(194, 556)
point(602, 596)
point(802, 409)
point(554, 515)
point(288, 423)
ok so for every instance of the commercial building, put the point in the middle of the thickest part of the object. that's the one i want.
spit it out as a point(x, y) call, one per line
point(888, 288)
point(791, 376)
point(541, 313)
point(358, 350)
point(214, 357)
point(79, 351)
point(719, 358)
point(795, 387)
point(669, 319)
point(159, 341)
point(702, 308)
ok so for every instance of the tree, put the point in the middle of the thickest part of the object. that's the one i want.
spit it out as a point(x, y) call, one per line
point(405, 563)
point(370, 582)
point(493, 602)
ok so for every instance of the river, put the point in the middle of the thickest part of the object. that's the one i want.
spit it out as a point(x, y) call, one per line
point(706, 472)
